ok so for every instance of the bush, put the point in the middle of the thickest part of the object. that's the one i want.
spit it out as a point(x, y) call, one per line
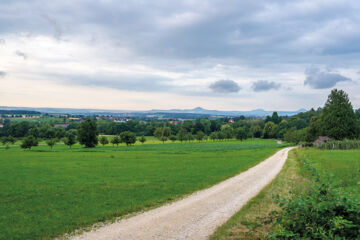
point(316, 210)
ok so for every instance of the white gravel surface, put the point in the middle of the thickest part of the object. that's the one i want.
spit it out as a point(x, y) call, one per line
point(198, 215)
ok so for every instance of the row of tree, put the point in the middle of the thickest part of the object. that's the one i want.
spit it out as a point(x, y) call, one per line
point(337, 120)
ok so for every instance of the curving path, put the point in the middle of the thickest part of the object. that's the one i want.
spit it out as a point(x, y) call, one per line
point(198, 215)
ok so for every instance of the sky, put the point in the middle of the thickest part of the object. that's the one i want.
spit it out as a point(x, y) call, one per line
point(141, 55)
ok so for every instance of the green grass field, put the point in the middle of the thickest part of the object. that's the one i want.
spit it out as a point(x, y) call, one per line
point(342, 166)
point(45, 193)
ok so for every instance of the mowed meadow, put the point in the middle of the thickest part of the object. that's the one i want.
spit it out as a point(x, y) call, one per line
point(48, 192)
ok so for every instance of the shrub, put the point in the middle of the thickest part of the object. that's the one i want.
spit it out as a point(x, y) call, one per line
point(316, 210)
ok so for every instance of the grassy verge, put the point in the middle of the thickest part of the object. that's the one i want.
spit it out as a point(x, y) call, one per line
point(325, 189)
point(45, 193)
point(248, 223)
point(342, 167)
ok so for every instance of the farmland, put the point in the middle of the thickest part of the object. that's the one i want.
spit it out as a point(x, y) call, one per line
point(46, 193)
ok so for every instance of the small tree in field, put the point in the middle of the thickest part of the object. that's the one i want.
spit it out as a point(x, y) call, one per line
point(162, 133)
point(189, 137)
point(240, 133)
point(29, 142)
point(9, 139)
point(104, 140)
point(51, 142)
point(200, 135)
point(213, 136)
point(128, 138)
point(173, 138)
point(116, 141)
point(182, 135)
point(70, 138)
point(142, 139)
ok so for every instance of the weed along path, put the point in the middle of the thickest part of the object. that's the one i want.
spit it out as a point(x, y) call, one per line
point(198, 215)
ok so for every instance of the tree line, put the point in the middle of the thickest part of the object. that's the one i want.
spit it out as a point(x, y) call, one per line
point(336, 119)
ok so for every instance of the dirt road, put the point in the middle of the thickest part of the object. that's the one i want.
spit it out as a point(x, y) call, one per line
point(198, 215)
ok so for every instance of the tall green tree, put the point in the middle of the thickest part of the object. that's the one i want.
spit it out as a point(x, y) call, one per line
point(87, 133)
point(270, 130)
point(338, 119)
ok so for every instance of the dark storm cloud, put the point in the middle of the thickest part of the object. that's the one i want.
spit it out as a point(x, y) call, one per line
point(224, 86)
point(263, 86)
point(21, 54)
point(322, 79)
point(2, 74)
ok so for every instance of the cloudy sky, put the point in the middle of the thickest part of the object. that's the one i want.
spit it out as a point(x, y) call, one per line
point(140, 54)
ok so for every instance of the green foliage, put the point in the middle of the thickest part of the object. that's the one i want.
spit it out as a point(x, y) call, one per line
point(213, 136)
point(295, 136)
point(314, 130)
point(87, 133)
point(240, 133)
point(200, 135)
point(270, 129)
point(116, 140)
point(142, 139)
point(173, 138)
point(70, 138)
point(9, 139)
point(256, 131)
point(338, 120)
point(317, 210)
point(182, 135)
point(162, 133)
point(29, 142)
point(104, 140)
point(128, 138)
point(51, 142)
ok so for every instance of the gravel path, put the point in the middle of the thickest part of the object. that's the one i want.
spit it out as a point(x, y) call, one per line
point(198, 215)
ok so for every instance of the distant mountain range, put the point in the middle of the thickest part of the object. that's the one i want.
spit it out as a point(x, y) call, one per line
point(197, 111)
point(251, 113)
